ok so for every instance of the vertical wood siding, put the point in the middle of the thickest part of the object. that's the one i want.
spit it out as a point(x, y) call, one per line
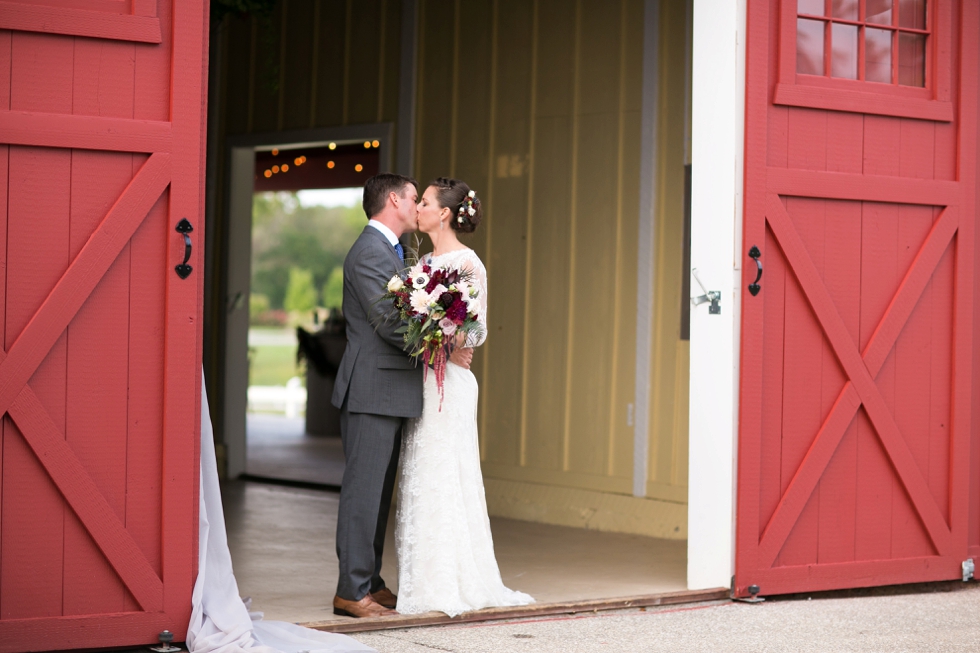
point(537, 105)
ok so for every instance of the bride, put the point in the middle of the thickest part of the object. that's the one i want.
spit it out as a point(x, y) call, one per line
point(442, 532)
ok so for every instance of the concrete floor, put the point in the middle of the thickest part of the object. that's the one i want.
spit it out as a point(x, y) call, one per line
point(282, 546)
point(279, 448)
point(935, 622)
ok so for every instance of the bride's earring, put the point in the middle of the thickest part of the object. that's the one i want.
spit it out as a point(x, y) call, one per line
point(442, 223)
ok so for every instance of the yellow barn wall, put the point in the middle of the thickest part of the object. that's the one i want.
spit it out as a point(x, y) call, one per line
point(537, 104)
point(667, 464)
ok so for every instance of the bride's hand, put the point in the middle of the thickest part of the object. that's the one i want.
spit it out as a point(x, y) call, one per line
point(462, 357)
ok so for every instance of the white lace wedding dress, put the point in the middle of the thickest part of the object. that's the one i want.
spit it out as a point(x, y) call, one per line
point(442, 533)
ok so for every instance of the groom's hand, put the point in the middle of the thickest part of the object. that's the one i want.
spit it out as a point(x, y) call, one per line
point(462, 357)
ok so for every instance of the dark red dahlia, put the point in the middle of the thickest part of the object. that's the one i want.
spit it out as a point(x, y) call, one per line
point(457, 312)
point(446, 299)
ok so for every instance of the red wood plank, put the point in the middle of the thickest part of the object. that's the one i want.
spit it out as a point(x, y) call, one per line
point(97, 337)
point(881, 155)
point(965, 280)
point(5, 64)
point(861, 102)
point(84, 132)
point(153, 72)
point(867, 187)
point(37, 254)
point(806, 140)
point(872, 573)
point(182, 419)
point(78, 22)
point(91, 632)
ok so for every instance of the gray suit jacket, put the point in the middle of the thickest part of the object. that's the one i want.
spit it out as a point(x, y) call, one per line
point(376, 375)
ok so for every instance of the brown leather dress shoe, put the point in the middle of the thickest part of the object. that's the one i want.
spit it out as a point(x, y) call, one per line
point(366, 607)
point(385, 597)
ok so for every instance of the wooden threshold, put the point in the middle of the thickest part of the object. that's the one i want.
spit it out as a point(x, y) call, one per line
point(349, 625)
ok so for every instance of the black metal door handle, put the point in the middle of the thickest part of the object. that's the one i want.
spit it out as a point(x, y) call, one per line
point(754, 254)
point(184, 228)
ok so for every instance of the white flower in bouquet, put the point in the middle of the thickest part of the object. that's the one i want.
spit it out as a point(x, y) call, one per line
point(395, 284)
point(420, 301)
point(461, 287)
point(474, 305)
point(448, 326)
point(420, 280)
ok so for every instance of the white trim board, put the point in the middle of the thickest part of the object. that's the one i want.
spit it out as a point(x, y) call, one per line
point(718, 92)
point(645, 265)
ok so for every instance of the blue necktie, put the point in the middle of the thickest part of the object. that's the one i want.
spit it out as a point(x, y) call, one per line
point(400, 251)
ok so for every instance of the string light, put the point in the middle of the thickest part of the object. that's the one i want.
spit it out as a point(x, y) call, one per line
point(330, 164)
point(275, 152)
point(285, 167)
point(367, 145)
point(267, 173)
point(375, 143)
point(358, 167)
point(275, 169)
point(298, 160)
point(332, 146)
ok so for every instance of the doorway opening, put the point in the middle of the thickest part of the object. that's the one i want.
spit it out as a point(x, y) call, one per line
point(306, 214)
point(294, 203)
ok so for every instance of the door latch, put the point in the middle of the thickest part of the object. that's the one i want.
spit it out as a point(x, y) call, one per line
point(713, 296)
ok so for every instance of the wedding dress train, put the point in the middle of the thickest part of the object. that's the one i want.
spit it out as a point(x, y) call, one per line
point(446, 560)
point(220, 621)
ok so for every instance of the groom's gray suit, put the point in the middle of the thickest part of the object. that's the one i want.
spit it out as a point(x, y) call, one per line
point(377, 387)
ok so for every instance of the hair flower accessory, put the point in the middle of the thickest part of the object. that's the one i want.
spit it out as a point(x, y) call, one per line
point(466, 207)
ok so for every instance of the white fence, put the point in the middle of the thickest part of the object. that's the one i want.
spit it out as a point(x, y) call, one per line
point(289, 399)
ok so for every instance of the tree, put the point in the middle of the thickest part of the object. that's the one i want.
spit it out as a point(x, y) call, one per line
point(300, 293)
point(285, 235)
point(333, 289)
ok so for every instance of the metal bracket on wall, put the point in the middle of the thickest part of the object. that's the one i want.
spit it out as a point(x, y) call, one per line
point(968, 569)
point(713, 296)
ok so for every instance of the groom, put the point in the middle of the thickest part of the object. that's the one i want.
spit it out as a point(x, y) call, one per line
point(378, 386)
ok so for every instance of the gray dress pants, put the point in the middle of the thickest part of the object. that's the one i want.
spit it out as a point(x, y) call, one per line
point(371, 448)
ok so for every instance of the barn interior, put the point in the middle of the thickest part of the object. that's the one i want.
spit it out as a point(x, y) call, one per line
point(572, 122)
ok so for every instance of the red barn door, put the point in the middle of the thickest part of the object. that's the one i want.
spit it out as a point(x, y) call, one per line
point(101, 150)
point(856, 353)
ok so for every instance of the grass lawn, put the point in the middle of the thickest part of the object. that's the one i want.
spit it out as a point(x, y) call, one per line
point(273, 365)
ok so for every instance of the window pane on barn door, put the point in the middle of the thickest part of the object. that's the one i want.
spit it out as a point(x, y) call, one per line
point(911, 59)
point(844, 47)
point(812, 7)
point(878, 55)
point(912, 14)
point(878, 11)
point(809, 46)
point(846, 9)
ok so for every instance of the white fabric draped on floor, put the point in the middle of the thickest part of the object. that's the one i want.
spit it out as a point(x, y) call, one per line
point(220, 620)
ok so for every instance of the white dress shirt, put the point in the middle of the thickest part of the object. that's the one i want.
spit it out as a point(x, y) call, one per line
point(388, 233)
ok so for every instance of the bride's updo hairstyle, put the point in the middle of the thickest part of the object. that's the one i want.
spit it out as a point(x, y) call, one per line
point(455, 195)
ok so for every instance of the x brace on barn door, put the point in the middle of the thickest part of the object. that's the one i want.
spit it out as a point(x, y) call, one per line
point(860, 389)
point(19, 363)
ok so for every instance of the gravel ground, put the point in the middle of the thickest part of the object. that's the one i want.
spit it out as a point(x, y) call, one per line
point(928, 622)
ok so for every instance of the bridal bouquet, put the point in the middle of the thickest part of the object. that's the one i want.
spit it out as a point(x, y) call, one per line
point(438, 308)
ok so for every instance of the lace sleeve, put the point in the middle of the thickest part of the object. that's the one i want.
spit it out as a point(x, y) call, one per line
point(480, 282)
